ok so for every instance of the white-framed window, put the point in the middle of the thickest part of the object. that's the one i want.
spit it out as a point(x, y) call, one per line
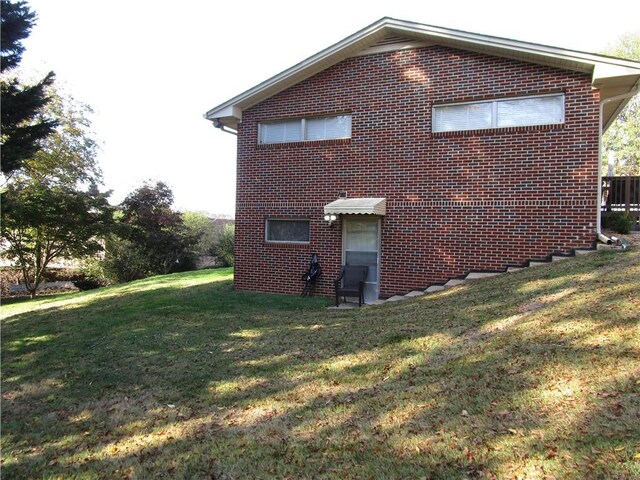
point(499, 113)
point(290, 230)
point(317, 128)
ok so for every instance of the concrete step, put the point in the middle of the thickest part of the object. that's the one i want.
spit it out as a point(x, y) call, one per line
point(602, 246)
point(558, 258)
point(537, 264)
point(415, 293)
point(434, 288)
point(585, 252)
point(396, 298)
point(515, 269)
point(479, 275)
point(454, 282)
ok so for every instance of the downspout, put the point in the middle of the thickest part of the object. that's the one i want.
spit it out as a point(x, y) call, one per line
point(631, 93)
point(218, 124)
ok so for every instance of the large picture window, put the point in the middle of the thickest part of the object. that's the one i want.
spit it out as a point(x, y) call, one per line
point(502, 113)
point(319, 128)
point(287, 230)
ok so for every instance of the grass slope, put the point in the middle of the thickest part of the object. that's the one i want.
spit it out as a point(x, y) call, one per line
point(534, 374)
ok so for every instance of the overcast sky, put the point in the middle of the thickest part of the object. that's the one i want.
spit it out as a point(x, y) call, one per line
point(150, 69)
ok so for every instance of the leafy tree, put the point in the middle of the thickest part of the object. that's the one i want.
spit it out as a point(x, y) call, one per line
point(224, 248)
point(42, 222)
point(53, 207)
point(157, 231)
point(623, 136)
point(23, 125)
point(200, 226)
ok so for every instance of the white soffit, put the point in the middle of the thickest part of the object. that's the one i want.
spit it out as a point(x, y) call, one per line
point(389, 33)
point(357, 206)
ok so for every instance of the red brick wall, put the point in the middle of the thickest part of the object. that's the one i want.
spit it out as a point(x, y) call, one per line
point(456, 202)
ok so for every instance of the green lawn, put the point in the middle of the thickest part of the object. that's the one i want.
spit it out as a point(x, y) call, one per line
point(533, 375)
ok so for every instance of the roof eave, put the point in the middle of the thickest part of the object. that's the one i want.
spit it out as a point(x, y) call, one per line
point(605, 71)
point(613, 109)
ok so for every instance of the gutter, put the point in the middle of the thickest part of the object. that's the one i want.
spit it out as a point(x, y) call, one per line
point(629, 94)
point(218, 124)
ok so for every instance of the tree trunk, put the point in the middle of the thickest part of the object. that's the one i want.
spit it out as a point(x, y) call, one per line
point(32, 288)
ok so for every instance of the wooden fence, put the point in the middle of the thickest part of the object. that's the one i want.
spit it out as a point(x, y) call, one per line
point(622, 194)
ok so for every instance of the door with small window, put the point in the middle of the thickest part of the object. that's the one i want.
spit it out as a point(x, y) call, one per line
point(361, 246)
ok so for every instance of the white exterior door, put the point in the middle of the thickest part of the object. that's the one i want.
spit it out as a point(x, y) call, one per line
point(361, 246)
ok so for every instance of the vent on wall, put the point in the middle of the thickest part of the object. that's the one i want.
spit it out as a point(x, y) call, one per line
point(391, 40)
point(391, 44)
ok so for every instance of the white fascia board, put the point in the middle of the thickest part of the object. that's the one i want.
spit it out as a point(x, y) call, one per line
point(603, 71)
point(230, 111)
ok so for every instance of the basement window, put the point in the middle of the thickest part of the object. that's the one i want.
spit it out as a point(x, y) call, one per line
point(501, 113)
point(299, 130)
point(279, 230)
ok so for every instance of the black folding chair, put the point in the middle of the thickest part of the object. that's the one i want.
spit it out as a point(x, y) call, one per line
point(350, 283)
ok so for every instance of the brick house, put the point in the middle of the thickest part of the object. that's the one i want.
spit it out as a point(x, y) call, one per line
point(423, 152)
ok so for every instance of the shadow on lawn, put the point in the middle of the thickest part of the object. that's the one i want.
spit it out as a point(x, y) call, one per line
point(208, 381)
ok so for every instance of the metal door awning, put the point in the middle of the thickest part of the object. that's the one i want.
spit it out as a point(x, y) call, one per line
point(357, 206)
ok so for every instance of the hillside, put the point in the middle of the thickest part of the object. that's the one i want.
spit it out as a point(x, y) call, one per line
point(534, 374)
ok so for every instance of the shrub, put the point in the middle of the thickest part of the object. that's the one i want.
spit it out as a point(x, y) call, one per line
point(64, 274)
point(87, 284)
point(93, 270)
point(619, 222)
point(122, 262)
point(185, 263)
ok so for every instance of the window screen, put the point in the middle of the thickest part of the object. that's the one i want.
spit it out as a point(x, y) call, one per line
point(294, 231)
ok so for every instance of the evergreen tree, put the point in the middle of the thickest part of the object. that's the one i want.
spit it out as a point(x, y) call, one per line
point(23, 125)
